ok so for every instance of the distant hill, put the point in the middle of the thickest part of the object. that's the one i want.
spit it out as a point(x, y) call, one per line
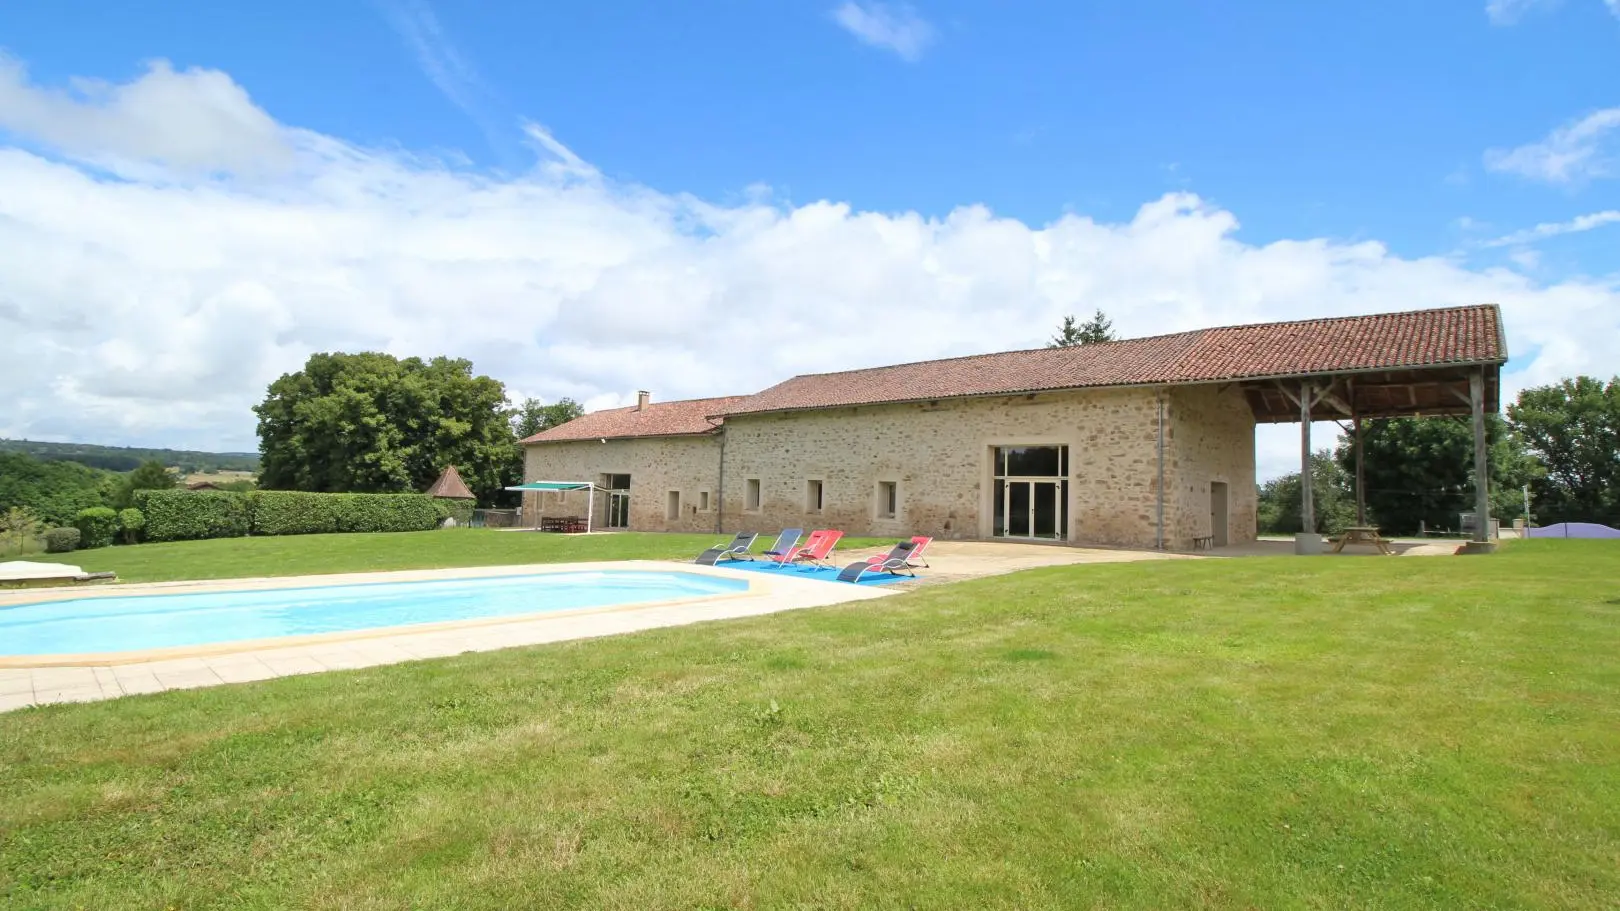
point(124, 458)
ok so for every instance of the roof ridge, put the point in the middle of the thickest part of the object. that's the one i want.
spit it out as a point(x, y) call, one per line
point(1141, 338)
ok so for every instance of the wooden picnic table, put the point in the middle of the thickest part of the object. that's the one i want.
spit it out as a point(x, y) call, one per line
point(1363, 534)
point(571, 525)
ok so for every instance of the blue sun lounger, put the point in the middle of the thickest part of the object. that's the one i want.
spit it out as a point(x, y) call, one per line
point(898, 558)
point(736, 550)
point(785, 542)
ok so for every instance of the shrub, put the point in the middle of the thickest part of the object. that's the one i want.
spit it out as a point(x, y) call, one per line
point(460, 510)
point(131, 520)
point(386, 512)
point(291, 512)
point(184, 515)
point(61, 540)
point(98, 526)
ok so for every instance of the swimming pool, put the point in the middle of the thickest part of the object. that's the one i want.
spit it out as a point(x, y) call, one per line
point(115, 624)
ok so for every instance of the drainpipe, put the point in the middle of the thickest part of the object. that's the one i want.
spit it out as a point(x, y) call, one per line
point(720, 503)
point(1160, 543)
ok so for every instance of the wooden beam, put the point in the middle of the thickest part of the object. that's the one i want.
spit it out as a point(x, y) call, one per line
point(1361, 477)
point(1307, 506)
point(1482, 477)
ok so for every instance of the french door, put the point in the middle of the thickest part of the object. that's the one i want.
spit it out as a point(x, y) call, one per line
point(1031, 492)
point(618, 500)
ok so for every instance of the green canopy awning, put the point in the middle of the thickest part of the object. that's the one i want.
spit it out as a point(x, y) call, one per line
point(554, 485)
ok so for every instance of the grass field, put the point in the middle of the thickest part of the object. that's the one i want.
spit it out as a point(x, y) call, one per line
point(1260, 733)
point(229, 558)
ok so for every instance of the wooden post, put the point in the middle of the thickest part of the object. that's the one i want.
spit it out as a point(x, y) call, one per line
point(1361, 476)
point(1482, 477)
point(1307, 506)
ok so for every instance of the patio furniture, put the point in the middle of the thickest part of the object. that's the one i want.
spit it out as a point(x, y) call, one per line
point(736, 550)
point(817, 549)
point(1363, 534)
point(898, 558)
point(568, 525)
point(785, 542)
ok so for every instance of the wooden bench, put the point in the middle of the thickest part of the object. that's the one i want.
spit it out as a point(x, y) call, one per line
point(1363, 535)
point(1205, 542)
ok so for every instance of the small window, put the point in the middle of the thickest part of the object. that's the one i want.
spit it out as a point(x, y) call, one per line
point(674, 511)
point(703, 501)
point(751, 494)
point(812, 496)
point(888, 499)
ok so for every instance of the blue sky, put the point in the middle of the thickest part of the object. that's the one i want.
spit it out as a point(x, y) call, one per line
point(1354, 121)
point(1441, 133)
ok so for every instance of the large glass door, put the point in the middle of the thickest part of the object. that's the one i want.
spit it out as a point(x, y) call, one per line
point(618, 500)
point(1031, 491)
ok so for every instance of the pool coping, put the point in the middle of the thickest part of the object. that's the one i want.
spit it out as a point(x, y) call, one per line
point(758, 586)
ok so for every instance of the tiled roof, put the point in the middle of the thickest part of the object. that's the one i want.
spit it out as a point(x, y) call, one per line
point(1386, 341)
point(1389, 341)
point(450, 485)
point(657, 419)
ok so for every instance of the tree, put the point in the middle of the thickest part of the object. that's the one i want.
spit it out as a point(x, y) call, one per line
point(18, 529)
point(532, 416)
point(1335, 504)
point(55, 492)
point(1574, 427)
point(1097, 329)
point(151, 475)
point(1420, 471)
point(373, 423)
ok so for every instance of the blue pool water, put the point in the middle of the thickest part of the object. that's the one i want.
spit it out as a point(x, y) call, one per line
point(116, 624)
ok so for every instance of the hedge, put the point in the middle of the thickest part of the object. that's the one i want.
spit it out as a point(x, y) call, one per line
point(186, 515)
point(98, 526)
point(177, 515)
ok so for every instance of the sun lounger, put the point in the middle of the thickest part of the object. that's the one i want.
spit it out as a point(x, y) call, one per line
point(897, 559)
point(736, 550)
point(816, 541)
point(785, 543)
point(817, 549)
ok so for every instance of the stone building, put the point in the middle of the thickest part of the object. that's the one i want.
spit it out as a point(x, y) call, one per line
point(1140, 442)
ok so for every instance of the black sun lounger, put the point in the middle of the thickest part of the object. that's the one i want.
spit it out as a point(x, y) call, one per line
point(736, 550)
point(892, 562)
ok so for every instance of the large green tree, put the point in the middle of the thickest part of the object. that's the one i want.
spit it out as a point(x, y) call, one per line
point(1334, 505)
point(1420, 471)
point(533, 416)
point(1574, 427)
point(52, 491)
point(373, 423)
point(149, 475)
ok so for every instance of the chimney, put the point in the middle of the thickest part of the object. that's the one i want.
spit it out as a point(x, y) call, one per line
point(642, 398)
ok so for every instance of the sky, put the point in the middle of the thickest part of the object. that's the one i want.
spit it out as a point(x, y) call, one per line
point(708, 197)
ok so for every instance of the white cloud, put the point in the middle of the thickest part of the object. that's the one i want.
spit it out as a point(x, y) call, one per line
point(892, 26)
point(1570, 153)
point(1509, 12)
point(451, 73)
point(156, 310)
point(195, 120)
point(1553, 229)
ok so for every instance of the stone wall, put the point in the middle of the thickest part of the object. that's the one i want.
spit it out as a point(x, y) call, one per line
point(1211, 435)
point(657, 465)
point(940, 457)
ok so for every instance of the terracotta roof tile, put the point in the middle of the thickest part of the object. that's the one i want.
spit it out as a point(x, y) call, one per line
point(450, 485)
point(1384, 341)
point(658, 419)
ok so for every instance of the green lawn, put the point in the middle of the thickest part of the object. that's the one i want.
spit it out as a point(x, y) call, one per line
point(1261, 733)
point(228, 558)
